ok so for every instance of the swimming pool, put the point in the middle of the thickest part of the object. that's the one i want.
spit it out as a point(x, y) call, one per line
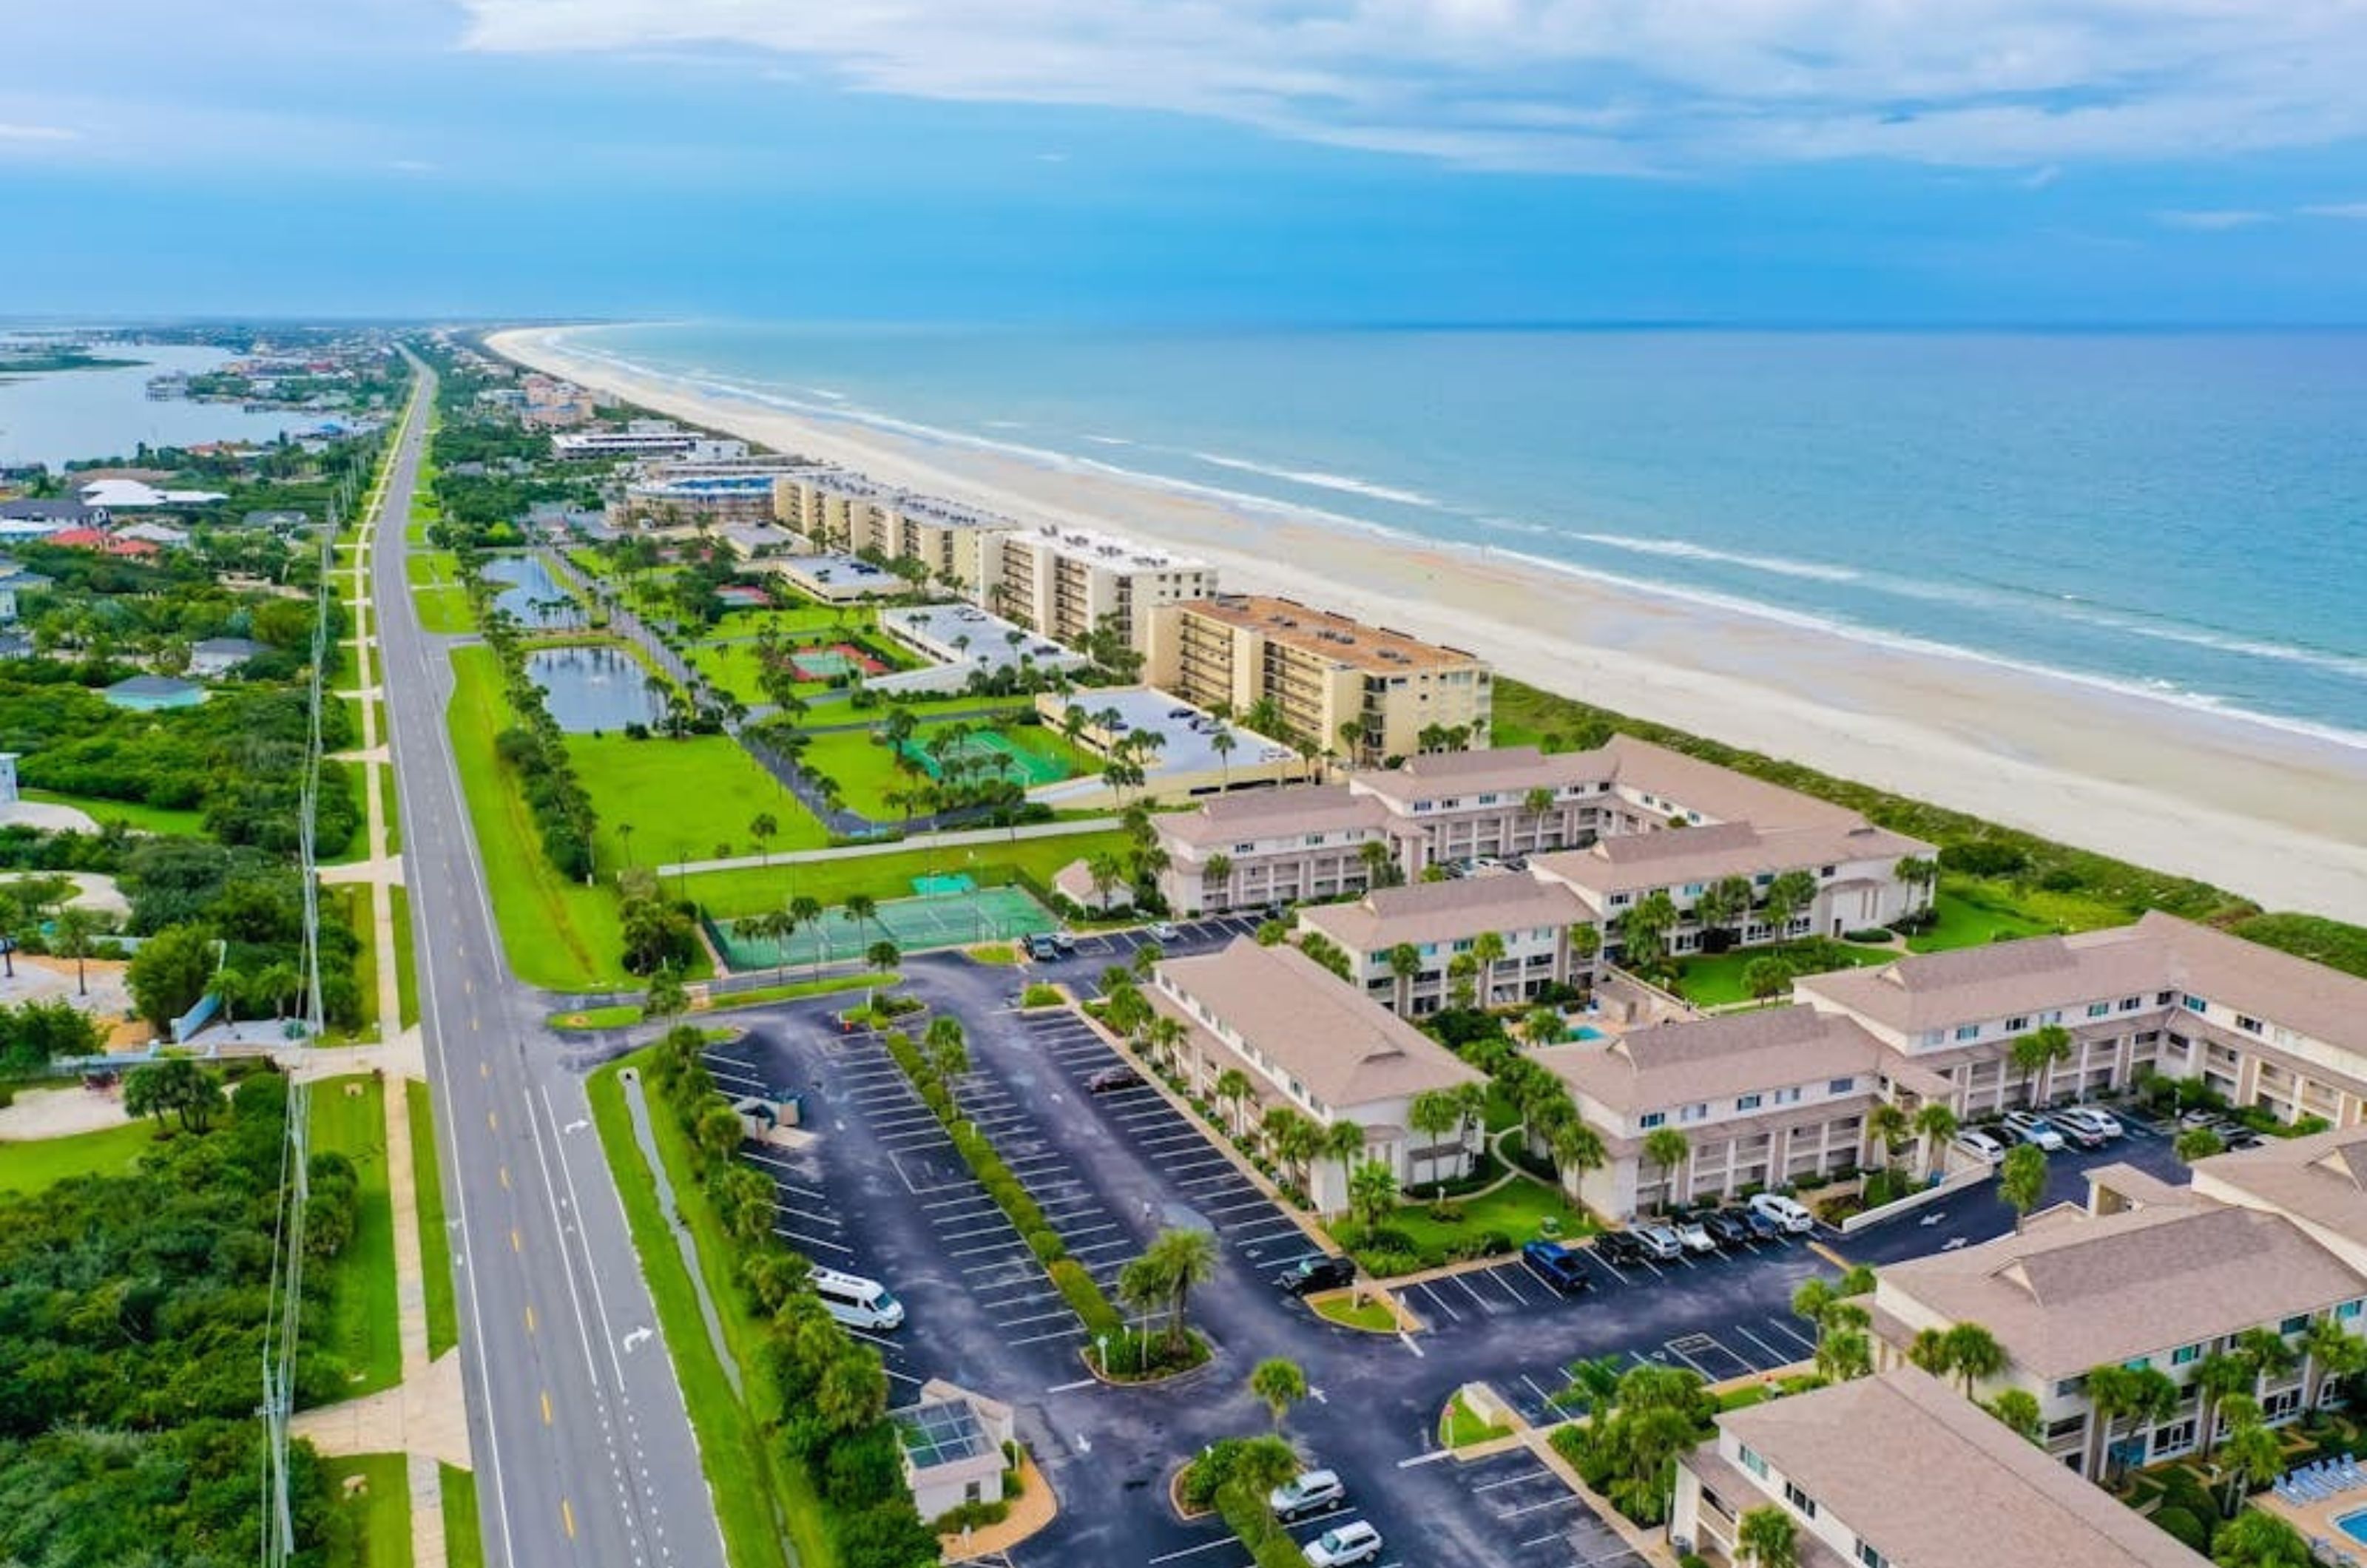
point(2355, 1524)
point(1588, 1031)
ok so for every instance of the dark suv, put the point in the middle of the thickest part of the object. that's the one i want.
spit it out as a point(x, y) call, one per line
point(1309, 1275)
point(1728, 1227)
point(1620, 1250)
point(1042, 948)
point(1558, 1266)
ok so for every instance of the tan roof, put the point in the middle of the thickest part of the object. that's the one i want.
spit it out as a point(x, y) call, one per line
point(1711, 1058)
point(1345, 1048)
point(1954, 1488)
point(1502, 770)
point(1257, 814)
point(1629, 862)
point(2320, 1179)
point(1446, 911)
point(2096, 1288)
point(1717, 792)
point(1999, 980)
point(1336, 637)
point(2311, 998)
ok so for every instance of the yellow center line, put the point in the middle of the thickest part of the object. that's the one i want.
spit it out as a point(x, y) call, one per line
point(493, 1120)
point(546, 1407)
point(529, 1320)
point(567, 1517)
point(483, 1071)
point(505, 1178)
point(518, 1244)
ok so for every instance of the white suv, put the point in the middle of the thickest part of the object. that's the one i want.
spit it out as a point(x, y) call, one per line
point(1787, 1212)
point(1308, 1493)
point(1980, 1146)
point(1354, 1543)
point(2103, 1123)
point(2029, 1128)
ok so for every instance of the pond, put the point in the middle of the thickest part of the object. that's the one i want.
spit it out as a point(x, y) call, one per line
point(594, 688)
point(534, 596)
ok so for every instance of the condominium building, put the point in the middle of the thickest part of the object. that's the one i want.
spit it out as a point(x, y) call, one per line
point(645, 438)
point(737, 492)
point(2164, 995)
point(2318, 1182)
point(1764, 1098)
point(1065, 582)
point(1439, 922)
point(1305, 1041)
point(2166, 1282)
point(1897, 1471)
point(840, 510)
point(1278, 846)
point(1322, 673)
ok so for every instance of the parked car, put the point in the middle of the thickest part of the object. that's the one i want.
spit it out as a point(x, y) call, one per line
point(1308, 1491)
point(1354, 1543)
point(1787, 1212)
point(2074, 1131)
point(1316, 1272)
point(1065, 942)
point(1042, 948)
point(1559, 1266)
point(1164, 930)
point(1621, 1249)
point(2028, 1127)
point(1761, 1227)
point(1660, 1243)
point(1728, 1227)
point(1109, 1080)
point(1696, 1236)
point(2095, 1119)
point(854, 1301)
point(1980, 1146)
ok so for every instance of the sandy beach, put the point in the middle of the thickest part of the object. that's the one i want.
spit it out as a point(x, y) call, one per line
point(2278, 817)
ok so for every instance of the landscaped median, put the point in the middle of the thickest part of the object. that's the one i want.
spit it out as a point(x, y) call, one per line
point(624, 1015)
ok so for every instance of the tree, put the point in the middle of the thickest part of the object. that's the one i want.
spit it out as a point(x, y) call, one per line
point(2253, 1458)
point(1670, 1149)
point(1919, 874)
point(1405, 964)
point(1935, 1123)
point(2215, 1377)
point(1534, 805)
point(805, 910)
point(1723, 903)
point(2330, 1353)
point(169, 974)
point(1843, 1352)
point(1543, 1026)
point(1462, 971)
point(1766, 1537)
point(861, 908)
point(1344, 1142)
point(1791, 893)
point(74, 929)
point(177, 1085)
point(1928, 1349)
point(1434, 1113)
point(1293, 1139)
point(762, 829)
point(1974, 1354)
point(1886, 1129)
point(2142, 1395)
point(1184, 1259)
point(1233, 1089)
point(2021, 1179)
point(883, 955)
point(947, 1050)
point(2198, 1143)
point(2255, 1539)
point(1577, 1148)
point(1279, 1384)
point(2036, 1055)
point(744, 1201)
point(2017, 1409)
point(667, 996)
point(1217, 881)
point(1643, 931)
point(717, 1134)
point(1766, 978)
point(1488, 951)
point(1223, 743)
point(1372, 1193)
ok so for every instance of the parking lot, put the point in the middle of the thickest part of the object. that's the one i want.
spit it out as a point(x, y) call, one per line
point(1539, 1522)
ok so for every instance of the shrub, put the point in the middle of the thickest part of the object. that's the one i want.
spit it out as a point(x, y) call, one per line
point(1044, 1246)
point(1084, 1297)
point(970, 1515)
point(2181, 1525)
point(1208, 1471)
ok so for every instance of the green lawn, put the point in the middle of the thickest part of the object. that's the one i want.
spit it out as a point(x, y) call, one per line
point(355, 899)
point(387, 806)
point(1519, 1209)
point(889, 875)
point(1373, 1317)
point(684, 799)
point(623, 1015)
point(558, 934)
point(435, 1241)
point(1973, 912)
point(869, 775)
point(406, 966)
point(1717, 981)
point(1459, 1427)
point(464, 1535)
point(379, 1508)
point(358, 1326)
point(444, 610)
point(35, 1162)
point(742, 1473)
point(142, 818)
point(424, 569)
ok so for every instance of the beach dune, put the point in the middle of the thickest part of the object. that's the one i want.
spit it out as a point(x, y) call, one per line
point(2276, 815)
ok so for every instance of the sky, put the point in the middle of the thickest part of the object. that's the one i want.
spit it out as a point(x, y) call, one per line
point(1805, 161)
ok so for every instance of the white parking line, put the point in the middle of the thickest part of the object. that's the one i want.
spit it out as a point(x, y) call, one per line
point(1102, 1246)
point(1438, 1300)
point(1563, 1501)
point(1039, 1338)
point(1067, 1231)
point(831, 1220)
point(1525, 1476)
point(812, 1241)
point(969, 1198)
point(1017, 1252)
point(1777, 1358)
point(1014, 1247)
point(1039, 1317)
point(1786, 1329)
point(981, 1230)
point(1671, 1349)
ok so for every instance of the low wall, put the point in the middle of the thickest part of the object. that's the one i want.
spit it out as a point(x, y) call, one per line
point(1956, 1183)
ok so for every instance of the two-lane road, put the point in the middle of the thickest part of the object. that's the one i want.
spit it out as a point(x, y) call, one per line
point(583, 1450)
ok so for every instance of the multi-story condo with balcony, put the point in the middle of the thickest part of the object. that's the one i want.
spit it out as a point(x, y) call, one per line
point(2164, 995)
point(1765, 1098)
point(1066, 582)
point(841, 511)
point(1441, 923)
point(2162, 1279)
point(1277, 846)
point(1367, 691)
point(2317, 1181)
point(645, 438)
point(1896, 1471)
point(1302, 1039)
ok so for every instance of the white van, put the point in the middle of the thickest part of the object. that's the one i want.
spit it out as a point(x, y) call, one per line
point(854, 1301)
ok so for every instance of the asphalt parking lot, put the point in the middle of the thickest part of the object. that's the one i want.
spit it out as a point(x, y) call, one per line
point(1539, 1522)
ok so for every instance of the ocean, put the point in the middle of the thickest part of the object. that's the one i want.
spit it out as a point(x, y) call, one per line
point(2179, 515)
point(56, 416)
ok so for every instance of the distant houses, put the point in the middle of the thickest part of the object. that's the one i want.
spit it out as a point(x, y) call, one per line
point(221, 655)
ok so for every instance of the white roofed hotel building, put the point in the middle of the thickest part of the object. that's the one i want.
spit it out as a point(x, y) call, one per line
point(1064, 581)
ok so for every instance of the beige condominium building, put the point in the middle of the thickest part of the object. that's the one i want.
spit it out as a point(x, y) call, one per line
point(1899, 1472)
point(1442, 921)
point(2182, 1000)
point(1322, 673)
point(2166, 1278)
point(2318, 1182)
point(1306, 1040)
point(1766, 1098)
point(840, 510)
point(1064, 581)
point(1280, 846)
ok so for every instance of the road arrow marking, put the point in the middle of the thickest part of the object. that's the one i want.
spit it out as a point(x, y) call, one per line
point(636, 1337)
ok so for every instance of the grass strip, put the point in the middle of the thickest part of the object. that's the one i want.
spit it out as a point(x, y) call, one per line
point(360, 1327)
point(132, 814)
point(379, 1508)
point(621, 1015)
point(354, 896)
point(435, 1241)
point(727, 893)
point(35, 1162)
point(389, 810)
point(406, 965)
point(464, 1535)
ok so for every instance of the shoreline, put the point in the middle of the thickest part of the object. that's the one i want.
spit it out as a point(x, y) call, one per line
point(2271, 813)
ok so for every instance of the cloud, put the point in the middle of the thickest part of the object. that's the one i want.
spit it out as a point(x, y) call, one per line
point(2352, 210)
point(1619, 85)
point(411, 165)
point(38, 133)
point(2212, 221)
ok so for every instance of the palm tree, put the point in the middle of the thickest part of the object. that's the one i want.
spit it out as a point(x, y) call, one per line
point(1433, 1113)
point(1885, 1131)
point(1790, 893)
point(861, 908)
point(1405, 964)
point(1935, 1123)
point(1217, 882)
point(2255, 1539)
point(1461, 971)
point(883, 955)
point(1279, 1384)
point(1233, 1089)
point(1185, 1259)
point(1929, 1350)
point(2145, 1396)
point(1670, 1149)
point(1723, 902)
point(1536, 804)
point(1223, 743)
point(1344, 1142)
point(1766, 1537)
point(1974, 1354)
point(2021, 1179)
point(947, 1051)
point(2329, 1351)
point(2253, 1458)
point(2036, 1055)
point(2198, 1143)
point(1643, 931)
point(1919, 873)
point(2215, 1377)
point(1372, 1194)
point(762, 829)
point(1543, 1026)
point(2018, 1409)
point(1294, 1141)
point(807, 911)
point(1488, 951)
point(74, 929)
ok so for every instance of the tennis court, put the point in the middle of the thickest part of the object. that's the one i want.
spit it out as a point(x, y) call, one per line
point(951, 919)
point(990, 748)
point(838, 659)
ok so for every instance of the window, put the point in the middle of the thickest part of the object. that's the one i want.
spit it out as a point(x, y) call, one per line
point(1693, 889)
point(1840, 1086)
point(1752, 1459)
point(2098, 1009)
point(2131, 1004)
point(1788, 1096)
point(2016, 1025)
point(1621, 900)
point(1969, 1032)
point(1747, 1102)
point(2192, 1003)
point(1314, 838)
point(1693, 1113)
point(1868, 1555)
point(2294, 1325)
point(2186, 1355)
point(2069, 1387)
point(2163, 999)
point(2348, 1311)
point(1800, 1500)
point(1651, 1119)
point(1826, 870)
point(2247, 1025)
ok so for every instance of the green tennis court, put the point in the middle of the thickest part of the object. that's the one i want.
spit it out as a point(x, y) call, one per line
point(991, 748)
point(942, 919)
